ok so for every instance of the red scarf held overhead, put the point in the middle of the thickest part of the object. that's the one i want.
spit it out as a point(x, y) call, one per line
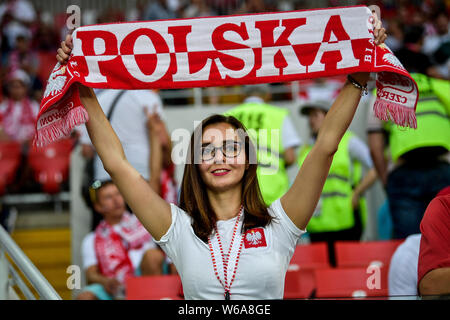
point(111, 247)
point(225, 51)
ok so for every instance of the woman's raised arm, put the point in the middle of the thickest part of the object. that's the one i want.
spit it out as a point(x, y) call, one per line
point(301, 199)
point(149, 207)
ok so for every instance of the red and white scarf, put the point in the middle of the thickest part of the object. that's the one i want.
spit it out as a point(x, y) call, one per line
point(225, 51)
point(112, 246)
point(18, 119)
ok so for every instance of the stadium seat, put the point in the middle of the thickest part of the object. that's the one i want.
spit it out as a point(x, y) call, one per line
point(310, 256)
point(51, 164)
point(362, 254)
point(351, 282)
point(299, 284)
point(166, 287)
point(10, 155)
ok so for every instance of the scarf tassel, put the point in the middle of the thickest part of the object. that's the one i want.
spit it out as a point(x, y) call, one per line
point(389, 111)
point(61, 128)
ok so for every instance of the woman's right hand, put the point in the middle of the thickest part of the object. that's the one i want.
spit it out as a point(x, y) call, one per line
point(63, 53)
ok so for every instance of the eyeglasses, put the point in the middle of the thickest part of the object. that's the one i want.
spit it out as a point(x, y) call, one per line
point(230, 149)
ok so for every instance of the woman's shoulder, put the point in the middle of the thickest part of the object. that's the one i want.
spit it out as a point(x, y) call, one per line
point(280, 217)
point(179, 213)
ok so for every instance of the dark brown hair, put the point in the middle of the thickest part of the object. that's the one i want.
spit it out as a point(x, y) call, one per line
point(194, 199)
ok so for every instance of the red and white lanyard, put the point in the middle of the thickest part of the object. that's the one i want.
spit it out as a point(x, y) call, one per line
point(226, 263)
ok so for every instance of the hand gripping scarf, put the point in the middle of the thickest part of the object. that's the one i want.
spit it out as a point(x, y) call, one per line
point(222, 51)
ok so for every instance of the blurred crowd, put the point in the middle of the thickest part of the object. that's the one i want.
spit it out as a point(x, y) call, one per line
point(419, 34)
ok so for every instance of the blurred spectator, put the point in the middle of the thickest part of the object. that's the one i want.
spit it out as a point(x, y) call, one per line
point(437, 46)
point(46, 39)
point(18, 115)
point(24, 57)
point(411, 56)
point(434, 256)
point(395, 31)
point(275, 136)
point(119, 247)
point(442, 33)
point(162, 168)
point(16, 17)
point(420, 165)
point(110, 15)
point(18, 112)
point(252, 6)
point(125, 110)
point(224, 7)
point(403, 268)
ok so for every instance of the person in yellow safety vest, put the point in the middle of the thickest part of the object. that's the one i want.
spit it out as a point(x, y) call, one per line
point(341, 212)
point(275, 137)
point(420, 158)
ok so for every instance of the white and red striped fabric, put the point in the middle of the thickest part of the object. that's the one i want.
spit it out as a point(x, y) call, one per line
point(220, 51)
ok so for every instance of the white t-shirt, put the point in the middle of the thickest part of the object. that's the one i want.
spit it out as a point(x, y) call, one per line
point(403, 267)
point(129, 122)
point(89, 257)
point(261, 270)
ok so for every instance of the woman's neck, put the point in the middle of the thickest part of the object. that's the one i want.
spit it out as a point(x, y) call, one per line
point(226, 204)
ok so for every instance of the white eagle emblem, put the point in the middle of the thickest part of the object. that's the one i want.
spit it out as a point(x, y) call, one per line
point(254, 237)
point(56, 81)
point(391, 59)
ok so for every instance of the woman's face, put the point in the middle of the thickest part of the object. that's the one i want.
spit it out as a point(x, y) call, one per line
point(222, 162)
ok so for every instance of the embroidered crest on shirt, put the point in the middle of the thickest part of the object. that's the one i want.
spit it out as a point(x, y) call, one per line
point(255, 238)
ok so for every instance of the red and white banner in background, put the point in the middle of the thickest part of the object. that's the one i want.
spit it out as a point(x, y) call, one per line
point(222, 51)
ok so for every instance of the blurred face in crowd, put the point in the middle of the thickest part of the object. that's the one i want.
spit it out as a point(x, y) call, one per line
point(442, 24)
point(110, 202)
point(17, 90)
point(222, 172)
point(315, 120)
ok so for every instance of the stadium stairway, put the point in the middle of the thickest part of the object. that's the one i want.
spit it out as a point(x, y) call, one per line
point(46, 240)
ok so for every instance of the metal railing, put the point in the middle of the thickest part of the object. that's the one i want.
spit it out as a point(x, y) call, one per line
point(10, 277)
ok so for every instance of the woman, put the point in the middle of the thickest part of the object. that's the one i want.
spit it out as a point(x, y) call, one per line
point(222, 239)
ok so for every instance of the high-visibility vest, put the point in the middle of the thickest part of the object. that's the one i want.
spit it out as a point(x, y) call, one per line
point(264, 124)
point(433, 121)
point(334, 210)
